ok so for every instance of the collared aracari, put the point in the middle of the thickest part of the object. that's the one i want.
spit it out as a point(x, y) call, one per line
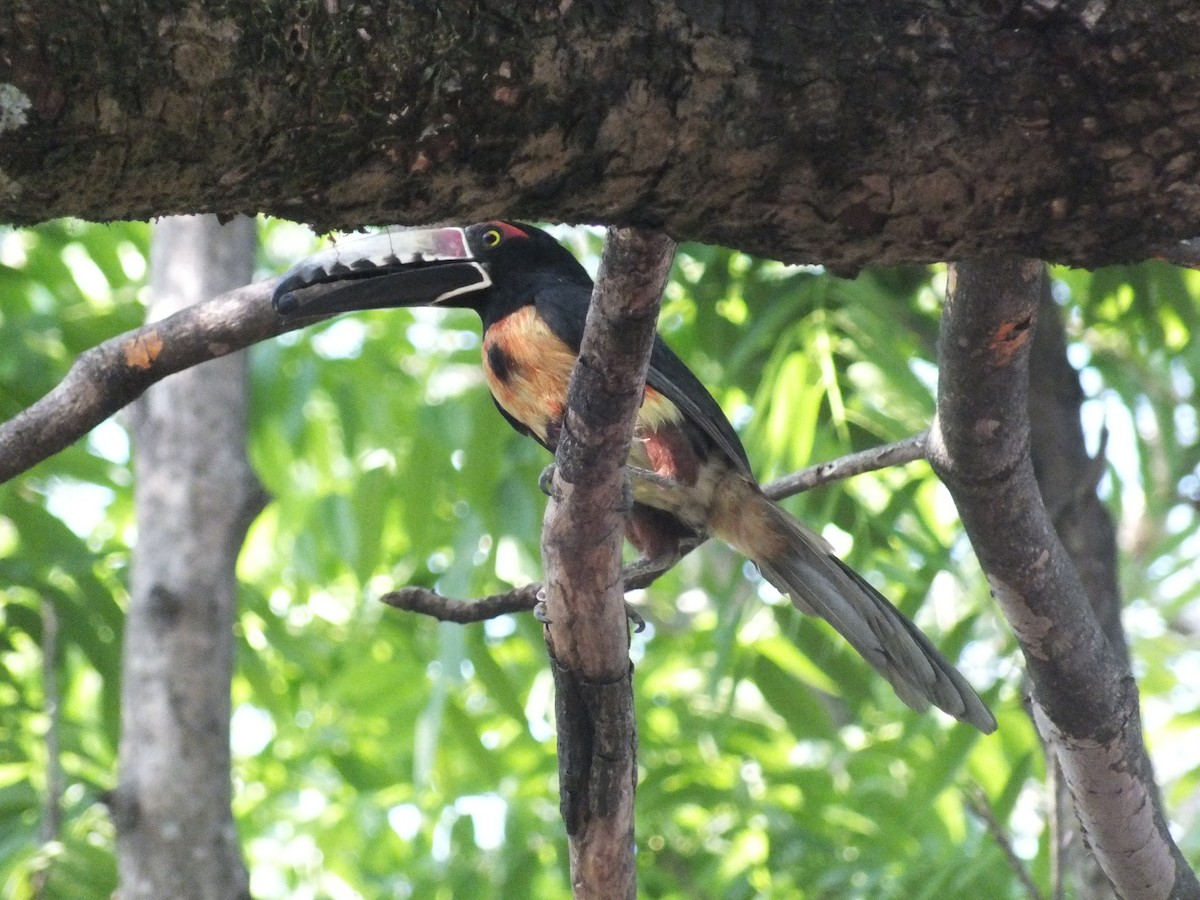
point(688, 468)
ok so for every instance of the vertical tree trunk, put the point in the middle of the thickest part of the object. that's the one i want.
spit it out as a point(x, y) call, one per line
point(1083, 699)
point(195, 497)
point(587, 632)
point(1067, 479)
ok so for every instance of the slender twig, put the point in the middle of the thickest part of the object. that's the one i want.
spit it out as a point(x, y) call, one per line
point(979, 804)
point(896, 453)
point(446, 609)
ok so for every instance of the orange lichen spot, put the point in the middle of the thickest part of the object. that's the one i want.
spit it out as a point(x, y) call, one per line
point(420, 164)
point(1008, 339)
point(506, 95)
point(141, 351)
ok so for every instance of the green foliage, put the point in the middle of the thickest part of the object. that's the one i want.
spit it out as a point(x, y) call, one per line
point(63, 529)
point(383, 755)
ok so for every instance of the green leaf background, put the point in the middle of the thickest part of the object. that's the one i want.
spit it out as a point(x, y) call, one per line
point(379, 754)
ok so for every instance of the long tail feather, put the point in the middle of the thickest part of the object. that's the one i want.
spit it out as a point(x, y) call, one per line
point(822, 585)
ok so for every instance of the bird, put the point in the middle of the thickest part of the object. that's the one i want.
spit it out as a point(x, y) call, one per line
point(690, 475)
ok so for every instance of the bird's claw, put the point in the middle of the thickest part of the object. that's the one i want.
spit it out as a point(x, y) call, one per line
point(649, 476)
point(546, 481)
point(626, 501)
point(542, 615)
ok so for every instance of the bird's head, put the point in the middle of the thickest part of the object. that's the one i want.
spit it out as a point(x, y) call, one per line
point(471, 267)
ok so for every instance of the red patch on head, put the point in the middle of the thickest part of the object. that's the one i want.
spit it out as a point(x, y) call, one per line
point(509, 231)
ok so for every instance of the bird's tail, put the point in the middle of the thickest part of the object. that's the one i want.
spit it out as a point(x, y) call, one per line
point(801, 564)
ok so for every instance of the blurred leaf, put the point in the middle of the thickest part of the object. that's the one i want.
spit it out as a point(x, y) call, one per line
point(774, 762)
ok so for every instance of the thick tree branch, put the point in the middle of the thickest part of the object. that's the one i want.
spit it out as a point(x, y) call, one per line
point(924, 130)
point(586, 631)
point(1084, 699)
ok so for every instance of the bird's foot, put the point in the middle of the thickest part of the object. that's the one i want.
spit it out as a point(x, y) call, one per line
point(539, 608)
point(651, 477)
point(645, 569)
point(540, 613)
point(546, 481)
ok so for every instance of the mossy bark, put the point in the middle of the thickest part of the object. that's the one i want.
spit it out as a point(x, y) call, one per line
point(809, 131)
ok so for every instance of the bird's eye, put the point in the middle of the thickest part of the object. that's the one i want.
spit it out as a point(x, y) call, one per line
point(491, 237)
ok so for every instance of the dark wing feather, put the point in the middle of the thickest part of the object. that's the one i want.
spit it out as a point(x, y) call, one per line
point(563, 307)
point(675, 381)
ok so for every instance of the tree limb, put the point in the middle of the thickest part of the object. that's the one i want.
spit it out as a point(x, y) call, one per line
point(114, 374)
point(616, 113)
point(1083, 697)
point(586, 631)
point(428, 602)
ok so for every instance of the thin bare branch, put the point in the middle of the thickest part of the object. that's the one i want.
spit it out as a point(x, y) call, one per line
point(446, 609)
point(978, 803)
point(884, 456)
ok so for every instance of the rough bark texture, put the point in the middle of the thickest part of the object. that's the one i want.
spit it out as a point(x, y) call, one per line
point(808, 131)
point(195, 497)
point(1084, 700)
point(1067, 479)
point(586, 632)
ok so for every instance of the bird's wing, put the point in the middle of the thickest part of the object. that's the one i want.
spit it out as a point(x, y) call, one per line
point(670, 377)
